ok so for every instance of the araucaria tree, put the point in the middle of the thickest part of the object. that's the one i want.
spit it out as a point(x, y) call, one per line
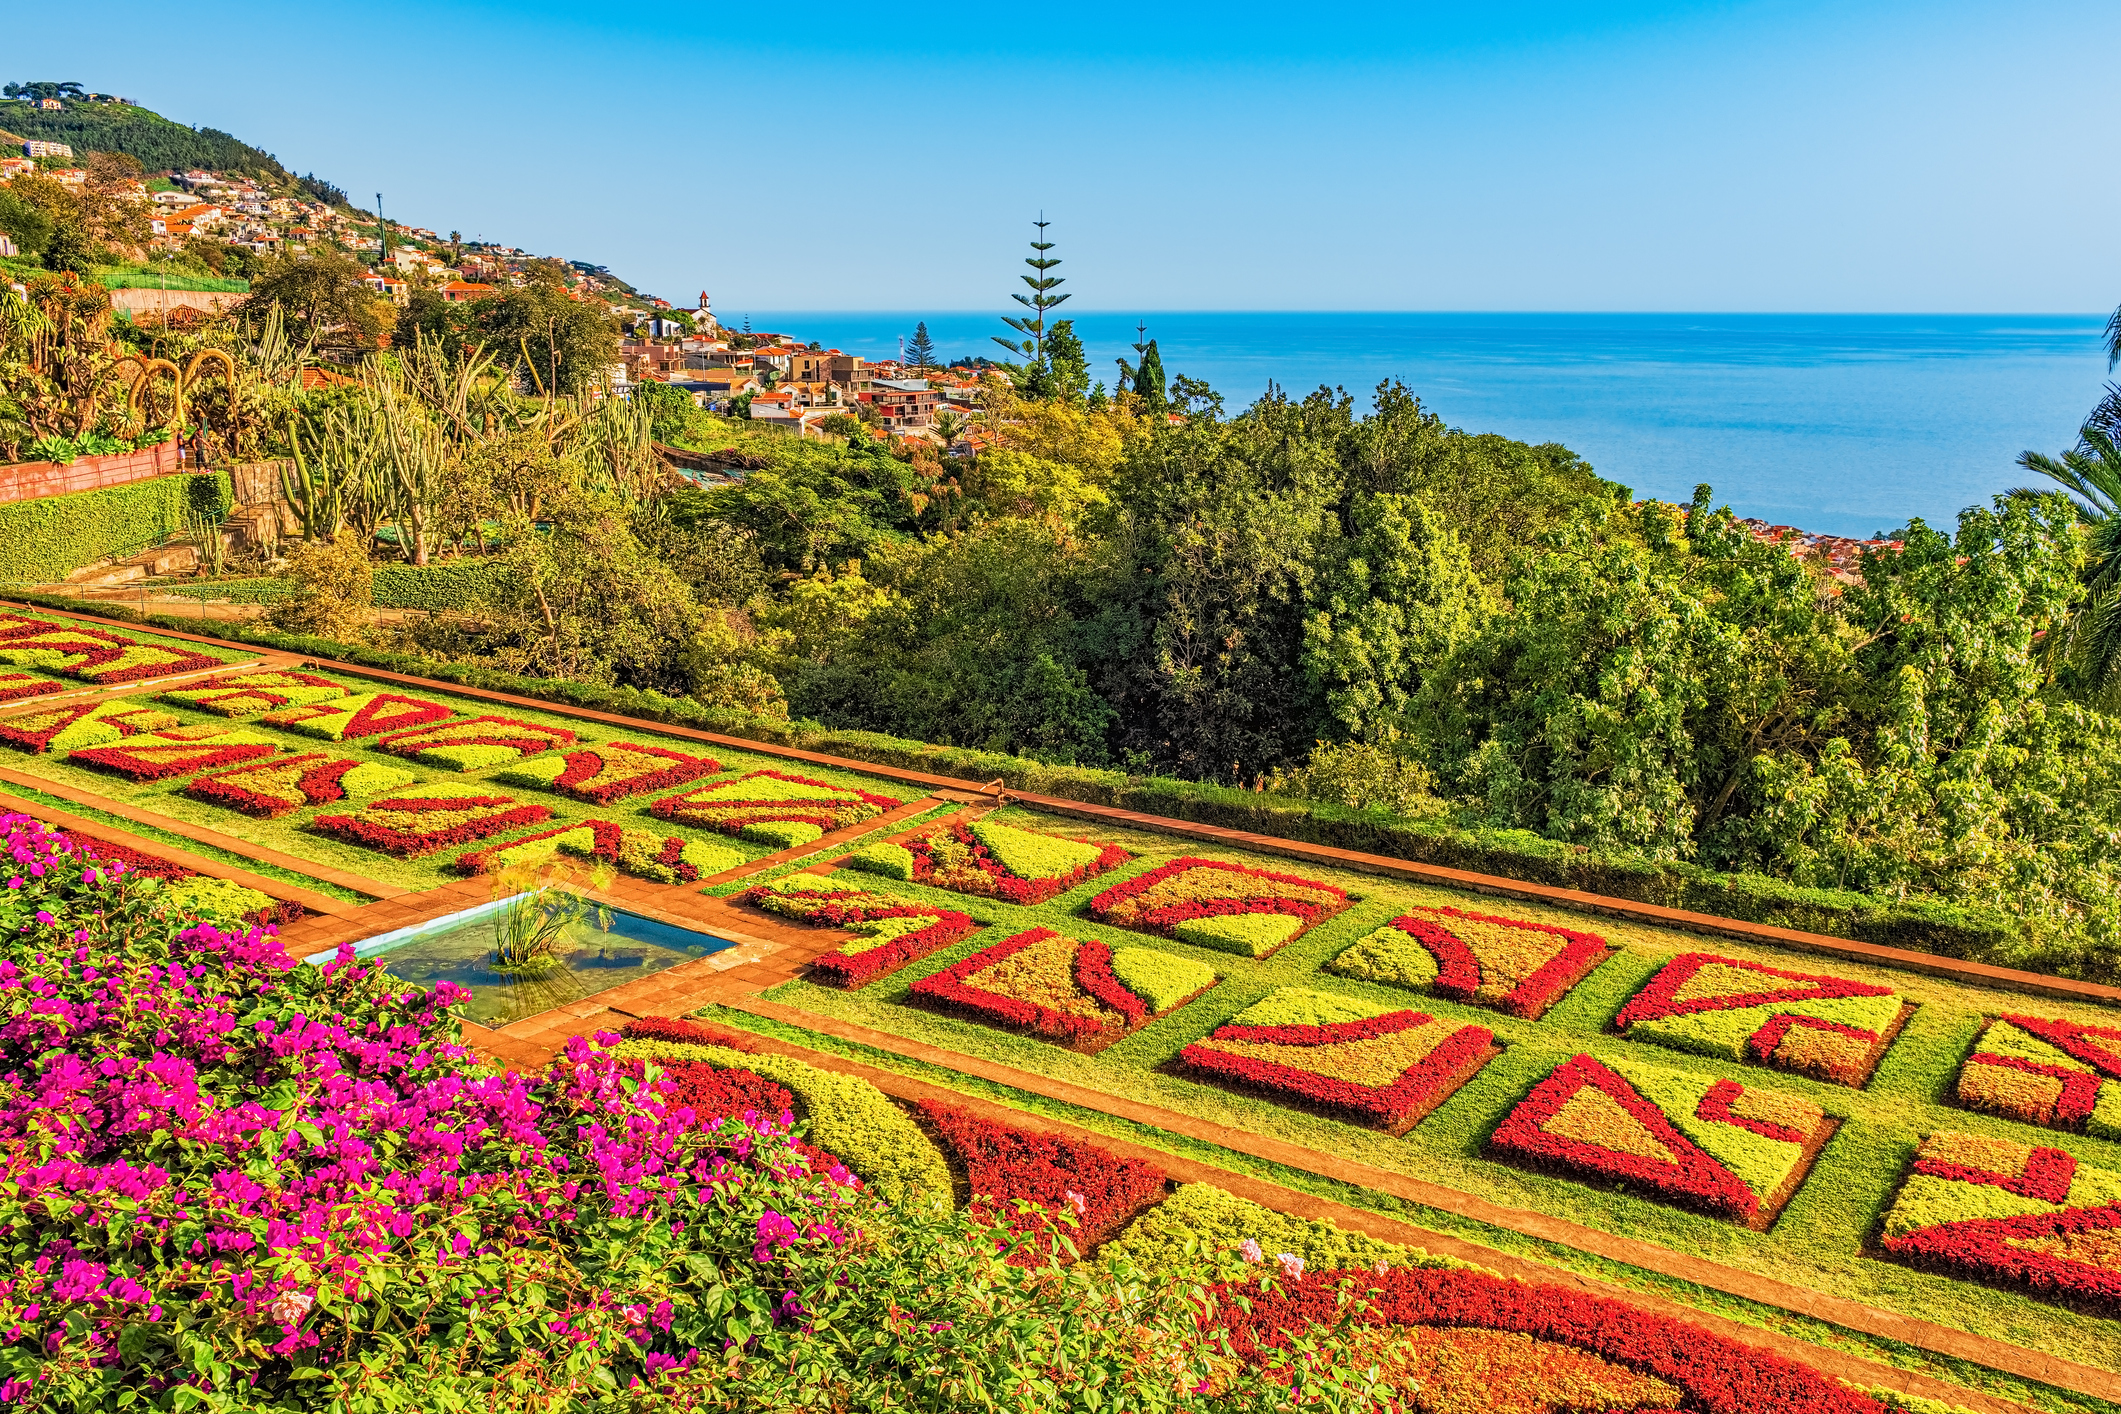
point(1034, 382)
point(920, 349)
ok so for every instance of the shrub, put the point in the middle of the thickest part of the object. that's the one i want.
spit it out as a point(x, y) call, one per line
point(335, 589)
point(893, 861)
point(47, 539)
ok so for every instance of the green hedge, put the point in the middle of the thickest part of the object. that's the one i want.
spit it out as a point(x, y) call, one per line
point(1919, 926)
point(460, 585)
point(47, 539)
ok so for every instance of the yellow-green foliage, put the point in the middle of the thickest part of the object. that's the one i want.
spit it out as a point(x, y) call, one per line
point(1030, 855)
point(48, 538)
point(1219, 1223)
point(1247, 934)
point(1390, 956)
point(217, 900)
point(1299, 1006)
point(847, 1116)
point(1159, 979)
point(893, 861)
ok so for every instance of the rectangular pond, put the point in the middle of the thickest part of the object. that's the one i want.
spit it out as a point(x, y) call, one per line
point(591, 959)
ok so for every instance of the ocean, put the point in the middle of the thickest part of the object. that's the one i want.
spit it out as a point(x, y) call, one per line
point(1842, 424)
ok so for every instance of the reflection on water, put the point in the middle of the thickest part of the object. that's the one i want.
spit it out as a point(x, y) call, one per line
point(590, 960)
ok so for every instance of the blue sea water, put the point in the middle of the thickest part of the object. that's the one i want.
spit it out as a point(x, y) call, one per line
point(1844, 424)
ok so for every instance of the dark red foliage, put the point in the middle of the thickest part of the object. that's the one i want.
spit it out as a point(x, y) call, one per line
point(948, 990)
point(685, 1032)
point(1000, 882)
point(604, 845)
point(720, 1092)
point(1005, 1163)
point(1414, 1091)
point(1458, 971)
point(126, 761)
point(583, 765)
point(844, 969)
point(407, 843)
point(2047, 1177)
point(1719, 1376)
point(1996, 1249)
point(1164, 916)
point(1656, 1001)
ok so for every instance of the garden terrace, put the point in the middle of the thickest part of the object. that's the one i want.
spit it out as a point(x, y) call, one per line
point(1553, 992)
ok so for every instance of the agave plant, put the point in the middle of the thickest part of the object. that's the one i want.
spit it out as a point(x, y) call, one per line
point(544, 906)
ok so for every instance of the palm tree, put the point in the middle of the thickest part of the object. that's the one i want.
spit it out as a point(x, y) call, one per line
point(2107, 416)
point(2091, 473)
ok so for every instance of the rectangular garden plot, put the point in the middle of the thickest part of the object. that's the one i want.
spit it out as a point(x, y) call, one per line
point(647, 854)
point(995, 861)
point(1348, 1058)
point(2057, 1074)
point(1514, 966)
point(1081, 993)
point(893, 932)
point(774, 808)
point(365, 714)
point(272, 788)
point(428, 818)
point(91, 654)
point(16, 686)
point(77, 724)
point(474, 743)
point(2010, 1214)
point(247, 694)
point(1695, 1141)
point(613, 771)
point(177, 751)
point(1215, 904)
point(1828, 1028)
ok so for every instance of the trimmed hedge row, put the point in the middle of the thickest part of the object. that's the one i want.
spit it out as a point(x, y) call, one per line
point(1916, 925)
point(46, 539)
point(452, 586)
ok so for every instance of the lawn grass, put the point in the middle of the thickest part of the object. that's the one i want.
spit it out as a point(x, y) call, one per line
point(290, 835)
point(1818, 1240)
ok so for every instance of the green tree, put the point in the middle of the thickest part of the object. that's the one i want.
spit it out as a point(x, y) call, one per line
point(1148, 380)
point(561, 344)
point(920, 349)
point(1068, 374)
point(25, 223)
point(2091, 471)
point(322, 299)
point(1032, 325)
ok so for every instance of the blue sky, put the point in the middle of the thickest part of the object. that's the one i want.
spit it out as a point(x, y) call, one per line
point(1740, 156)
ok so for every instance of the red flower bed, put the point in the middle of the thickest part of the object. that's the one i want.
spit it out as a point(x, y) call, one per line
point(1418, 1089)
point(844, 969)
point(128, 760)
point(2047, 1174)
point(1458, 970)
point(1995, 1249)
point(1693, 1176)
point(318, 784)
point(998, 881)
point(1719, 1376)
point(686, 1032)
point(510, 732)
point(605, 845)
point(1093, 973)
point(1003, 1163)
point(1657, 1000)
point(579, 776)
point(1276, 893)
point(406, 840)
point(16, 686)
point(103, 657)
point(721, 1093)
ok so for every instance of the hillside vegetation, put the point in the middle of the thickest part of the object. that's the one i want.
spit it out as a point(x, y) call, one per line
point(156, 141)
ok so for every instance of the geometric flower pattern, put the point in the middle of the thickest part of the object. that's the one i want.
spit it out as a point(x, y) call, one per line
point(90, 654)
point(1388, 1069)
point(1514, 966)
point(1828, 1028)
point(1700, 1142)
point(364, 714)
point(773, 797)
point(269, 789)
point(428, 818)
point(2010, 1213)
point(1057, 988)
point(245, 694)
point(602, 774)
point(179, 752)
point(474, 742)
point(77, 724)
point(2057, 1074)
point(1216, 904)
point(891, 932)
point(16, 686)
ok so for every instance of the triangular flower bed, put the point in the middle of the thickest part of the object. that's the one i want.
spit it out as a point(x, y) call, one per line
point(1514, 966)
point(91, 654)
point(269, 789)
point(1004, 1165)
point(612, 771)
point(2029, 1218)
point(474, 743)
point(893, 931)
point(77, 724)
point(649, 854)
point(428, 818)
point(774, 807)
point(990, 860)
point(1828, 1028)
point(247, 694)
point(2058, 1074)
point(179, 751)
point(1212, 903)
point(16, 686)
point(365, 714)
point(1371, 1064)
point(1715, 1145)
point(1081, 993)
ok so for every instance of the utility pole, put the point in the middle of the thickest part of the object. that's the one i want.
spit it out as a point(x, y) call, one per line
point(382, 234)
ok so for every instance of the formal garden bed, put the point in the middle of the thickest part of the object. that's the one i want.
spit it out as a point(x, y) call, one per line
point(889, 932)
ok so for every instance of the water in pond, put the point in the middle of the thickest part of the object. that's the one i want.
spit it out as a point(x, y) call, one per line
point(459, 949)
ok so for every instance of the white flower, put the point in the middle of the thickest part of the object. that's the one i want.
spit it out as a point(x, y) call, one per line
point(289, 1307)
point(1292, 1266)
point(1078, 1202)
point(1249, 1250)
